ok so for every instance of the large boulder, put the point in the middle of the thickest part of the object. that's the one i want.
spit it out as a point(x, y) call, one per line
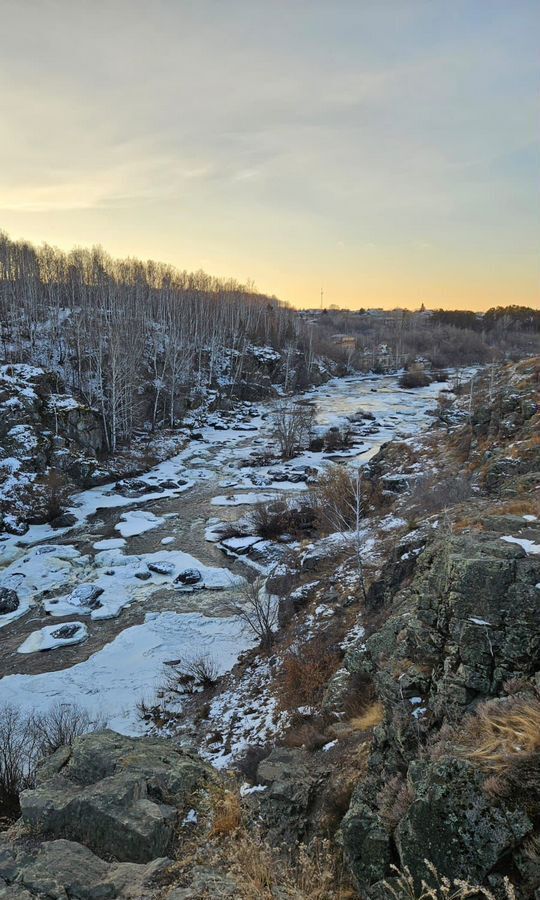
point(120, 796)
point(293, 782)
point(453, 823)
point(62, 869)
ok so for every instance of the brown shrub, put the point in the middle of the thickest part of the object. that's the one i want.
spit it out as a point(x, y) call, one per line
point(305, 673)
point(334, 498)
point(414, 377)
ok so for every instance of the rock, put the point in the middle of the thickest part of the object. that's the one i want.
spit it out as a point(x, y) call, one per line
point(454, 824)
point(14, 892)
point(63, 868)
point(14, 525)
point(66, 520)
point(294, 781)
point(144, 575)
point(9, 601)
point(66, 631)
point(161, 568)
point(366, 844)
point(188, 576)
point(86, 595)
point(204, 883)
point(119, 796)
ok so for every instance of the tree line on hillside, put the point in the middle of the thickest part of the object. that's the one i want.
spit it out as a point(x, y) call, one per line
point(378, 340)
point(134, 338)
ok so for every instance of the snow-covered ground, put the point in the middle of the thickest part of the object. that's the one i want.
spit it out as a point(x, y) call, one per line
point(101, 581)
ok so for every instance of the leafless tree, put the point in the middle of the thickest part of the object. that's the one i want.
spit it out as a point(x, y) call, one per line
point(292, 426)
point(258, 610)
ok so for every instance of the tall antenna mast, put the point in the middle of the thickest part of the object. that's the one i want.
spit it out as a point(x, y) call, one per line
point(322, 294)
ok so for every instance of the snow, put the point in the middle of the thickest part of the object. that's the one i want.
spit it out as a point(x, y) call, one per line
point(62, 402)
point(117, 676)
point(329, 746)
point(50, 637)
point(530, 518)
point(527, 545)
point(110, 544)
point(478, 621)
point(240, 544)
point(247, 498)
point(137, 522)
point(246, 789)
point(130, 668)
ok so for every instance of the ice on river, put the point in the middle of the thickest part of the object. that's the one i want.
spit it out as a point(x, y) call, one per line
point(137, 521)
point(111, 682)
point(54, 636)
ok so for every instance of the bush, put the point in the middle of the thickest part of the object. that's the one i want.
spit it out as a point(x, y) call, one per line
point(272, 520)
point(187, 676)
point(292, 426)
point(335, 497)
point(431, 494)
point(414, 377)
point(305, 673)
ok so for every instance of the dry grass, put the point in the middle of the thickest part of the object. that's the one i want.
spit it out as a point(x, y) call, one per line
point(502, 734)
point(524, 507)
point(441, 887)
point(238, 851)
point(314, 874)
point(468, 523)
point(394, 800)
point(369, 719)
point(226, 811)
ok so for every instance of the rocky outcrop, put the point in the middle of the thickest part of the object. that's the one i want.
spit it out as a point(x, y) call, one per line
point(43, 431)
point(463, 625)
point(119, 796)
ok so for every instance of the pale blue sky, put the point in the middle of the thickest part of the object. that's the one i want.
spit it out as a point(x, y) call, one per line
point(387, 150)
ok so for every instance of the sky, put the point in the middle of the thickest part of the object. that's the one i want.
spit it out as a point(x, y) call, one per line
point(386, 151)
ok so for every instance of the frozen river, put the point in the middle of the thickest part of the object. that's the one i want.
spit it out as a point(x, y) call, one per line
point(103, 605)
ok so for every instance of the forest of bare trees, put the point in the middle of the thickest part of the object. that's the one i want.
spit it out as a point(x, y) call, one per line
point(136, 339)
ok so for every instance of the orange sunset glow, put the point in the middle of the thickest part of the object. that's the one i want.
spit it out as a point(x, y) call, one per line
point(386, 152)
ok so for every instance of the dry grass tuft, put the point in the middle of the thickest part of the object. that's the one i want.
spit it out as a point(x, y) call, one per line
point(314, 873)
point(441, 887)
point(521, 507)
point(372, 716)
point(502, 734)
point(226, 811)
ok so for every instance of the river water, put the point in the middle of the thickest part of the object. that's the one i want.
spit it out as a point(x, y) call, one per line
point(143, 622)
